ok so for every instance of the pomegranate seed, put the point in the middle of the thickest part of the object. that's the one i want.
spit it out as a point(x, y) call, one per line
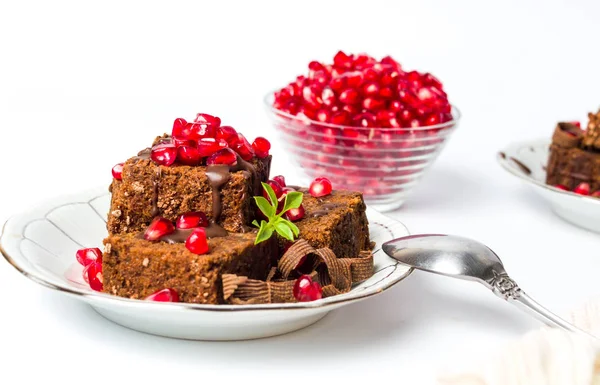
point(386, 93)
point(280, 179)
point(261, 147)
point(208, 146)
point(576, 123)
point(188, 155)
point(431, 80)
point(89, 255)
point(179, 128)
point(371, 74)
point(371, 89)
point(117, 171)
point(396, 105)
point(164, 154)
point(229, 134)
point(305, 290)
point(349, 96)
point(197, 131)
point(158, 228)
point(320, 187)
point(372, 104)
point(94, 275)
point(562, 187)
point(178, 142)
point(85, 273)
point(354, 79)
point(213, 121)
point(192, 219)
point(366, 119)
point(311, 96)
point(295, 214)
point(432, 120)
point(342, 60)
point(328, 96)
point(225, 156)
point(164, 295)
point(582, 189)
point(244, 148)
point(337, 84)
point(277, 188)
point(196, 242)
point(341, 118)
point(323, 115)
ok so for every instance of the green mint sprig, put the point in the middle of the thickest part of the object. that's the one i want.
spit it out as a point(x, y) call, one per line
point(275, 222)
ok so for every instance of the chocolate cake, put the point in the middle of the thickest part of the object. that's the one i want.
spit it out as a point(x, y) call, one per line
point(148, 190)
point(337, 221)
point(135, 268)
point(575, 156)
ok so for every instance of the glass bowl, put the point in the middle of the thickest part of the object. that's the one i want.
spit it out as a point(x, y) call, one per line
point(385, 164)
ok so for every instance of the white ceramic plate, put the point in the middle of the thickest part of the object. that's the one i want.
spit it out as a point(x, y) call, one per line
point(42, 242)
point(577, 209)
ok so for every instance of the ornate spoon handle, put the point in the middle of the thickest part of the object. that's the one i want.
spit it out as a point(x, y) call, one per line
point(506, 288)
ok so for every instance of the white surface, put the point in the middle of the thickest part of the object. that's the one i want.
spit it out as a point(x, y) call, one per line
point(81, 86)
point(580, 210)
point(41, 243)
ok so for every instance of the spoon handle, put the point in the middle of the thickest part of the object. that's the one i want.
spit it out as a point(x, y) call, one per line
point(506, 288)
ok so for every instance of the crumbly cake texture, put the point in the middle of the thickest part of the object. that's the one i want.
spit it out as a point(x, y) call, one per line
point(337, 221)
point(136, 268)
point(148, 190)
point(575, 155)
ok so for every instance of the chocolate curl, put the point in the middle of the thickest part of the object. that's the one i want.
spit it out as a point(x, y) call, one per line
point(335, 275)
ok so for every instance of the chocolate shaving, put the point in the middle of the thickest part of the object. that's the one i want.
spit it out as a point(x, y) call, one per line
point(335, 275)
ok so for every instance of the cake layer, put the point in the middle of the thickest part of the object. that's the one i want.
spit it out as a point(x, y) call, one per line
point(136, 268)
point(337, 221)
point(148, 190)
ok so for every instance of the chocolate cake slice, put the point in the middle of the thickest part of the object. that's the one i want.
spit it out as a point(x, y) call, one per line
point(337, 221)
point(148, 190)
point(575, 155)
point(136, 268)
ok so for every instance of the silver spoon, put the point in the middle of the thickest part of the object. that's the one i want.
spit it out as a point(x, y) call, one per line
point(467, 259)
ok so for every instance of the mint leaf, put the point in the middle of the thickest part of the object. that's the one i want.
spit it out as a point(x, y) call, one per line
point(294, 228)
point(255, 223)
point(282, 229)
point(264, 232)
point(265, 206)
point(271, 194)
point(293, 200)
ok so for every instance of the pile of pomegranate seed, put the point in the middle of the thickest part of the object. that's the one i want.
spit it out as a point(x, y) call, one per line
point(320, 187)
point(581, 189)
point(358, 90)
point(164, 295)
point(306, 290)
point(205, 142)
point(91, 260)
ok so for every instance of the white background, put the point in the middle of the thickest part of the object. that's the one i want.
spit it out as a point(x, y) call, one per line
point(84, 85)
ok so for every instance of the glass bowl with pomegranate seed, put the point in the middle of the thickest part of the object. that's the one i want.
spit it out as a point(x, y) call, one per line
point(368, 124)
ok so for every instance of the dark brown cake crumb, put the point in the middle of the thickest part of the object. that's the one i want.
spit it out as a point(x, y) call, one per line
point(136, 268)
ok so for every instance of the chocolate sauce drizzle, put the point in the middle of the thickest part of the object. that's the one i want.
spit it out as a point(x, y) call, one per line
point(523, 168)
point(324, 209)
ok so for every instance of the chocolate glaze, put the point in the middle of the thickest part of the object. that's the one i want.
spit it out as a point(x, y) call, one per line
point(217, 175)
point(298, 188)
point(324, 209)
point(144, 154)
point(523, 168)
point(181, 235)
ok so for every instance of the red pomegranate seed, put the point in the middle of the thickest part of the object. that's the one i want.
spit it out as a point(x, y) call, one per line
point(372, 104)
point(196, 242)
point(320, 187)
point(341, 118)
point(213, 121)
point(582, 189)
point(337, 84)
point(89, 255)
point(342, 60)
point(164, 154)
point(311, 95)
point(261, 147)
point(94, 275)
point(371, 89)
point(117, 171)
point(354, 79)
point(225, 156)
point(158, 228)
point(396, 105)
point(280, 179)
point(431, 80)
point(164, 295)
point(85, 273)
point(229, 134)
point(323, 115)
point(576, 123)
point(198, 130)
point(305, 290)
point(366, 119)
point(188, 155)
point(208, 146)
point(328, 97)
point(349, 96)
point(562, 187)
point(277, 188)
point(192, 219)
point(386, 93)
point(295, 214)
point(179, 129)
point(178, 142)
point(244, 148)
